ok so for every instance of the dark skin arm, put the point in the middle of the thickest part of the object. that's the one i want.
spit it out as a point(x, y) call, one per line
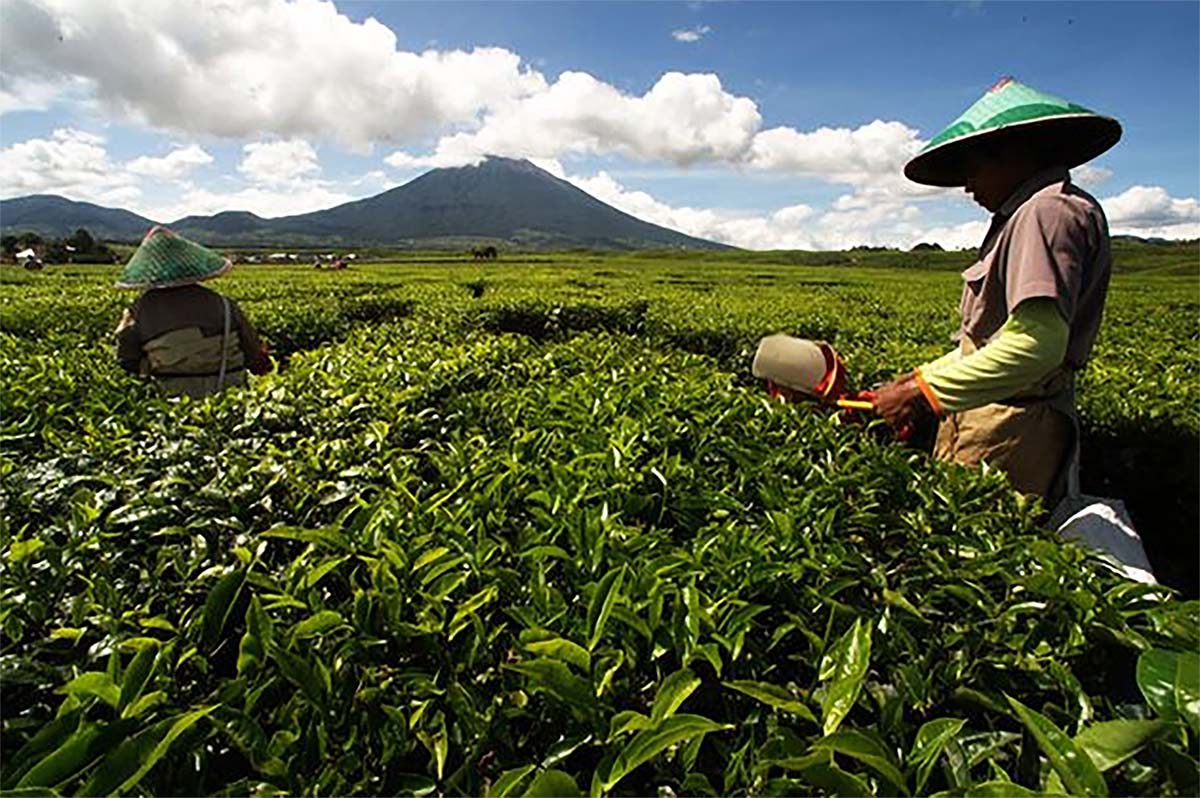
point(129, 343)
point(257, 360)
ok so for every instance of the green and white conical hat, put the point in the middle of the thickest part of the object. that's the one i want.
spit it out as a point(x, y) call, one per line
point(1060, 132)
point(165, 260)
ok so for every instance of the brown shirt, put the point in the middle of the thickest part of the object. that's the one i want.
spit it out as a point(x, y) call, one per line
point(1049, 239)
point(163, 310)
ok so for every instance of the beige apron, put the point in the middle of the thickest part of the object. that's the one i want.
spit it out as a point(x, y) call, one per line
point(186, 362)
point(1030, 437)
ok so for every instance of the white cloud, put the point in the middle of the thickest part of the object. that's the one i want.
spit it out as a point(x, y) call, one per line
point(968, 235)
point(174, 165)
point(1142, 209)
point(279, 163)
point(871, 158)
point(682, 119)
point(691, 34)
point(263, 200)
point(283, 178)
point(70, 162)
point(1090, 177)
point(246, 68)
point(791, 227)
point(301, 70)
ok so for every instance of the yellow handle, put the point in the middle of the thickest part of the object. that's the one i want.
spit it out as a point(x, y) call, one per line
point(855, 404)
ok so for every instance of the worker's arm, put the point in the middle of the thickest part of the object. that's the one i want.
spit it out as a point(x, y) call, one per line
point(256, 358)
point(129, 343)
point(1031, 344)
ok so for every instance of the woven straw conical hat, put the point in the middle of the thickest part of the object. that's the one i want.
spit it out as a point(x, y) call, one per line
point(165, 259)
point(1059, 132)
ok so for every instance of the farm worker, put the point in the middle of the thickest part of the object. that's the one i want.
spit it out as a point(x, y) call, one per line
point(1031, 302)
point(188, 339)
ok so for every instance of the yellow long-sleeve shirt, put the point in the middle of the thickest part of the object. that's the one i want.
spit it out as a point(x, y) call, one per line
point(1031, 344)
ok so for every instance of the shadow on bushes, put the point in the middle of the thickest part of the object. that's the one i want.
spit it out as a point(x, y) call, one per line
point(322, 325)
point(1155, 470)
point(542, 322)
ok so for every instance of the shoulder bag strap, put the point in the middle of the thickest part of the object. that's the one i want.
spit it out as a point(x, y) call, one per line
point(224, 346)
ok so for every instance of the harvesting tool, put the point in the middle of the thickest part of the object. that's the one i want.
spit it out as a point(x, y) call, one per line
point(796, 368)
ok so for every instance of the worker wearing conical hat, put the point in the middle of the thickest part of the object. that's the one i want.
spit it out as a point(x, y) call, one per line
point(1031, 302)
point(188, 339)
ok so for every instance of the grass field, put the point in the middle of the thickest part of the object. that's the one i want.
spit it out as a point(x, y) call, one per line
point(531, 527)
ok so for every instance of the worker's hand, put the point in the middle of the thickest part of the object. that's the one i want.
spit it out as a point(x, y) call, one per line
point(262, 364)
point(901, 402)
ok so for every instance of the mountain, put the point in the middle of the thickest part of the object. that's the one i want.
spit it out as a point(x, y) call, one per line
point(59, 217)
point(500, 200)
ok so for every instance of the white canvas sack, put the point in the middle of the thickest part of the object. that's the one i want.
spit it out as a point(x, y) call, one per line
point(1103, 525)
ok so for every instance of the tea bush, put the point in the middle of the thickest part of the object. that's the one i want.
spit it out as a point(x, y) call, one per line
point(543, 536)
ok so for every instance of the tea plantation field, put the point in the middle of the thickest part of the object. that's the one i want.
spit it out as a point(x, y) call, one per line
point(531, 528)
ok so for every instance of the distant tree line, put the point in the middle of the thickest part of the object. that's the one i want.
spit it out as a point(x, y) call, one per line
point(79, 247)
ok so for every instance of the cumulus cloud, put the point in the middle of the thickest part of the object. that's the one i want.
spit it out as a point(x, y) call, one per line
point(247, 68)
point(691, 34)
point(279, 163)
point(1090, 177)
point(283, 178)
point(682, 119)
point(791, 227)
point(174, 165)
point(263, 200)
point(274, 69)
point(70, 162)
point(1150, 207)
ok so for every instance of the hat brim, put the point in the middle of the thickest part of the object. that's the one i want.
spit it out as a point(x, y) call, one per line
point(226, 265)
point(1065, 140)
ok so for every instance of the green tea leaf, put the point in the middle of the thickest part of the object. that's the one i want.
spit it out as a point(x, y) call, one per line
point(1000, 789)
point(845, 667)
point(835, 781)
point(298, 671)
point(553, 677)
point(602, 603)
point(553, 784)
point(509, 780)
point(311, 578)
point(133, 759)
point(931, 740)
point(858, 745)
point(23, 549)
point(94, 683)
point(650, 743)
point(219, 605)
point(1156, 675)
point(559, 648)
point(137, 674)
point(316, 625)
point(773, 696)
point(462, 617)
point(65, 761)
point(1073, 766)
point(144, 703)
point(626, 721)
point(1187, 688)
point(1110, 743)
point(1170, 681)
point(673, 691)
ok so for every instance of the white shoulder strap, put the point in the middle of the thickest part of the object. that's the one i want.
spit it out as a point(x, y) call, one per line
point(224, 346)
point(1073, 489)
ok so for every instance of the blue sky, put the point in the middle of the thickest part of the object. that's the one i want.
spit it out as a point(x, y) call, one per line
point(659, 108)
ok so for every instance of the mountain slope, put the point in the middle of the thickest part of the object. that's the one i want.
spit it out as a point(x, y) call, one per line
point(58, 217)
point(501, 200)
